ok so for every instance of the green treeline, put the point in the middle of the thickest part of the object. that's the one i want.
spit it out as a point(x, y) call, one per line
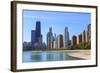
point(80, 46)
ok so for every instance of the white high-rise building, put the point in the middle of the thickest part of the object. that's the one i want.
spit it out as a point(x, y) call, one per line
point(66, 37)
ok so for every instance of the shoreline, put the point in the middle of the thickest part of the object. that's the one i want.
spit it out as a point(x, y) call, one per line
point(54, 50)
point(84, 54)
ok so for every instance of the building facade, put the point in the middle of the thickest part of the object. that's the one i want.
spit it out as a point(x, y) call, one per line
point(50, 39)
point(33, 37)
point(89, 33)
point(66, 37)
point(74, 40)
point(60, 41)
point(84, 36)
point(36, 37)
point(79, 38)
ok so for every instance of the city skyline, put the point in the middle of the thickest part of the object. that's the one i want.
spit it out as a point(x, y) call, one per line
point(58, 41)
point(30, 20)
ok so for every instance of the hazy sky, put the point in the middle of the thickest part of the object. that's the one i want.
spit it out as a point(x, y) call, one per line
point(75, 21)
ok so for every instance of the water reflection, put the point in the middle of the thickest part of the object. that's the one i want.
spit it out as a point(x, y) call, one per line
point(46, 56)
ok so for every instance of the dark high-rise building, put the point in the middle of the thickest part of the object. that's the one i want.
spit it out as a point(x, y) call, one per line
point(27, 46)
point(74, 40)
point(33, 38)
point(36, 37)
point(80, 38)
point(69, 44)
point(38, 30)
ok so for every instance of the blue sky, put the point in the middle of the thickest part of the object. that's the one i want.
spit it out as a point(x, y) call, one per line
point(75, 21)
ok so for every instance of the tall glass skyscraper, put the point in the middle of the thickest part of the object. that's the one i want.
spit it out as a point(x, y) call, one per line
point(50, 39)
point(38, 30)
point(36, 37)
point(66, 37)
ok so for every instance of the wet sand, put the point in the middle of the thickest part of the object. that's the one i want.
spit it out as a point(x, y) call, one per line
point(84, 54)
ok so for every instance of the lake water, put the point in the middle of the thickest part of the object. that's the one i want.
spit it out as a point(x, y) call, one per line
point(29, 56)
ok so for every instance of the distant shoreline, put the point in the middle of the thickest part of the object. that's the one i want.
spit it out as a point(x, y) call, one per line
point(56, 50)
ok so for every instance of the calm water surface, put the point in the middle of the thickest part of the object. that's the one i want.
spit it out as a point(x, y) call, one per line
point(29, 56)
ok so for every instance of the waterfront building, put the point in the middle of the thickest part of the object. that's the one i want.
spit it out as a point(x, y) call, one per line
point(36, 37)
point(54, 41)
point(27, 46)
point(77, 39)
point(40, 39)
point(89, 33)
point(80, 38)
point(69, 44)
point(50, 39)
point(66, 37)
point(54, 44)
point(60, 41)
point(38, 31)
point(84, 36)
point(74, 40)
point(33, 38)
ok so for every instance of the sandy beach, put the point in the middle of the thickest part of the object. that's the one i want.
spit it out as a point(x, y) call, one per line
point(84, 54)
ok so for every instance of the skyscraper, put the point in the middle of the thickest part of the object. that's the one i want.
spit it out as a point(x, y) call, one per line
point(33, 38)
point(89, 33)
point(36, 37)
point(38, 30)
point(77, 39)
point(40, 39)
point(74, 40)
point(54, 41)
point(66, 37)
point(50, 39)
point(80, 38)
point(84, 36)
point(60, 41)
